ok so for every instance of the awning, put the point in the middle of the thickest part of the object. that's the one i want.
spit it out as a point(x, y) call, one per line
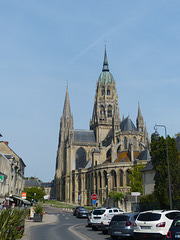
point(22, 200)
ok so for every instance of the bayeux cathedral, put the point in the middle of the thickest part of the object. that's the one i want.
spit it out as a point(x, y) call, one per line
point(99, 160)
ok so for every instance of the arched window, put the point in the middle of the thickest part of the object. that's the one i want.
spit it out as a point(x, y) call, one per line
point(80, 158)
point(102, 112)
point(121, 178)
point(114, 179)
point(100, 183)
point(134, 142)
point(125, 142)
point(109, 111)
point(108, 91)
point(105, 179)
point(103, 91)
point(127, 177)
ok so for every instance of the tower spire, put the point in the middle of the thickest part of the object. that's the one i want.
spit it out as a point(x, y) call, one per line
point(105, 63)
point(67, 110)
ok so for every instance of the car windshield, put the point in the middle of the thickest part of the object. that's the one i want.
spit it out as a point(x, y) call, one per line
point(176, 223)
point(149, 217)
point(120, 218)
point(98, 212)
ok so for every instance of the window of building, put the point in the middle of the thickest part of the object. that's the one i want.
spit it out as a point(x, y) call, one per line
point(125, 142)
point(109, 111)
point(80, 158)
point(134, 142)
point(102, 112)
point(103, 91)
point(121, 178)
point(108, 92)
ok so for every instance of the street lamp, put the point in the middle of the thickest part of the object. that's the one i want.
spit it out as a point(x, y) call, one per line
point(156, 137)
point(107, 176)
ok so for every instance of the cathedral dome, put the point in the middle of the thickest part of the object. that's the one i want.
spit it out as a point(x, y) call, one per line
point(106, 78)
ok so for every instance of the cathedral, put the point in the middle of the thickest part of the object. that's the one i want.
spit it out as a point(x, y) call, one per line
point(99, 160)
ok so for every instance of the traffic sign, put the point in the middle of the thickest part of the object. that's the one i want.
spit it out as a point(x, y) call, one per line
point(94, 196)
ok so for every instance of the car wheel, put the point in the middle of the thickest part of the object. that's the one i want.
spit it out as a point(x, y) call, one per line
point(113, 237)
point(94, 228)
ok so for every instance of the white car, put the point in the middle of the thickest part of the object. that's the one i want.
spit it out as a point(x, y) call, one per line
point(103, 214)
point(154, 224)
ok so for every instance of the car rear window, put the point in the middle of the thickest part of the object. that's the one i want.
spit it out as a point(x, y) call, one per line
point(172, 215)
point(120, 218)
point(149, 217)
point(98, 212)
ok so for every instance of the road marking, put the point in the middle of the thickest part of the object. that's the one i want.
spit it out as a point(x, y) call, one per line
point(78, 234)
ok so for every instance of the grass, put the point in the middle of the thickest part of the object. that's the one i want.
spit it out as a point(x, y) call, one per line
point(54, 203)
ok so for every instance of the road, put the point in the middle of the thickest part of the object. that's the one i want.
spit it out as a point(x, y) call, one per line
point(68, 227)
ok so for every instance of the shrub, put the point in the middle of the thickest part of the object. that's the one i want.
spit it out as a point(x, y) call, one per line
point(10, 223)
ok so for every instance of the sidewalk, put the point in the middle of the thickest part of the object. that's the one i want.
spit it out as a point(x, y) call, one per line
point(47, 219)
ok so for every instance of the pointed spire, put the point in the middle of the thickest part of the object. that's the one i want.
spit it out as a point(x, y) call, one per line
point(67, 110)
point(105, 63)
point(139, 111)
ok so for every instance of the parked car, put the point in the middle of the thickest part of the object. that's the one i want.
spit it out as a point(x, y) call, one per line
point(103, 213)
point(154, 224)
point(82, 213)
point(106, 218)
point(89, 219)
point(76, 210)
point(174, 231)
point(121, 225)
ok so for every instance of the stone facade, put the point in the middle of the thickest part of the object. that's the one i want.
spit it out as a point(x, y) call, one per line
point(98, 160)
point(12, 167)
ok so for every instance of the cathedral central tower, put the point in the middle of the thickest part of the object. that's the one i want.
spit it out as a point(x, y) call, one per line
point(105, 117)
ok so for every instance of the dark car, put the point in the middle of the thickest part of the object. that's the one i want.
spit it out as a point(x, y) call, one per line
point(76, 210)
point(82, 213)
point(121, 225)
point(174, 231)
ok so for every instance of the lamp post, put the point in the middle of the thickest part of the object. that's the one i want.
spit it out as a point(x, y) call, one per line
point(156, 136)
point(107, 176)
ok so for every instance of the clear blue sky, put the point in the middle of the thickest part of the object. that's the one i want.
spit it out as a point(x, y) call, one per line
point(45, 44)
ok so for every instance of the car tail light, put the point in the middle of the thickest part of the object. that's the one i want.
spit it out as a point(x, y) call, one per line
point(168, 234)
point(162, 224)
point(101, 223)
point(128, 223)
point(134, 224)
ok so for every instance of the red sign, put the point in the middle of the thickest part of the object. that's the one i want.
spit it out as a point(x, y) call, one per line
point(94, 196)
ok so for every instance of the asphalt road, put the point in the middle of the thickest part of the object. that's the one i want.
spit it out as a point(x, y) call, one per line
point(68, 227)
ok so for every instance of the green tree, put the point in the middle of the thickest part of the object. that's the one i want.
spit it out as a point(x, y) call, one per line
point(159, 161)
point(116, 195)
point(136, 181)
point(10, 222)
point(36, 193)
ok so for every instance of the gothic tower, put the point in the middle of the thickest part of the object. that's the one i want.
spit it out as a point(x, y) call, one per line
point(105, 115)
point(65, 137)
point(140, 120)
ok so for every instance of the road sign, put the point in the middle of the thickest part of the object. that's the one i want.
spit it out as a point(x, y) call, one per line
point(135, 194)
point(23, 195)
point(94, 196)
point(93, 202)
point(1, 178)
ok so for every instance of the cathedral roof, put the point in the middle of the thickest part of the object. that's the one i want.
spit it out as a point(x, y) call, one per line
point(144, 155)
point(148, 167)
point(84, 136)
point(127, 125)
